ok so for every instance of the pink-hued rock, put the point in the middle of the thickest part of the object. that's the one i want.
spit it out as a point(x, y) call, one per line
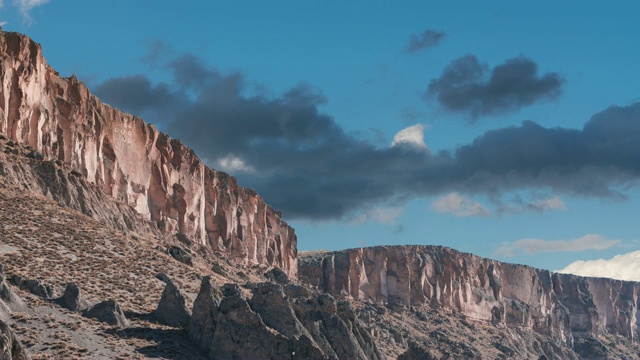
point(565, 307)
point(135, 163)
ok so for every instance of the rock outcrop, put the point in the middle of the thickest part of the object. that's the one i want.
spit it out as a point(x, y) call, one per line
point(133, 162)
point(35, 286)
point(10, 347)
point(563, 307)
point(73, 299)
point(108, 311)
point(172, 309)
point(278, 322)
point(9, 300)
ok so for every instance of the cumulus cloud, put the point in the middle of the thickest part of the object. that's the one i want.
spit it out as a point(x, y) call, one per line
point(621, 267)
point(533, 246)
point(308, 166)
point(380, 214)
point(412, 136)
point(233, 164)
point(427, 39)
point(459, 205)
point(469, 87)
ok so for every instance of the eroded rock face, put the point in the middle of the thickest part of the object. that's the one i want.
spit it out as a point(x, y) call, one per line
point(133, 162)
point(278, 322)
point(564, 307)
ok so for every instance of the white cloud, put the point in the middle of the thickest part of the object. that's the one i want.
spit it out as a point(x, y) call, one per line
point(552, 203)
point(621, 267)
point(25, 6)
point(412, 136)
point(233, 164)
point(381, 215)
point(3, 23)
point(459, 205)
point(533, 246)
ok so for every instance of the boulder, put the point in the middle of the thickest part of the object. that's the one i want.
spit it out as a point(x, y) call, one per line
point(181, 255)
point(172, 309)
point(35, 286)
point(73, 299)
point(108, 312)
point(277, 275)
point(416, 352)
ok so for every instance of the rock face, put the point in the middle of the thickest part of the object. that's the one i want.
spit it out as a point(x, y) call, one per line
point(564, 307)
point(133, 162)
point(278, 322)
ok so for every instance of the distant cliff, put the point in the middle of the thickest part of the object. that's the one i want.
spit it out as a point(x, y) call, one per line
point(133, 162)
point(563, 307)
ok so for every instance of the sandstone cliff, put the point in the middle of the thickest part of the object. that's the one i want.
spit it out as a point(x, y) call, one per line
point(560, 306)
point(133, 162)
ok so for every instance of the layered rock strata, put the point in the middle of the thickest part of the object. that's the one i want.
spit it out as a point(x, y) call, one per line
point(564, 307)
point(133, 162)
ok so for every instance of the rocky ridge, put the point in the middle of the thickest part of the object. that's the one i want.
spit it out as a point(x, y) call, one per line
point(131, 161)
point(565, 308)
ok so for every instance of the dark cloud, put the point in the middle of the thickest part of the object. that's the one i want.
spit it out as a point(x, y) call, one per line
point(136, 94)
point(466, 86)
point(428, 38)
point(302, 162)
point(157, 49)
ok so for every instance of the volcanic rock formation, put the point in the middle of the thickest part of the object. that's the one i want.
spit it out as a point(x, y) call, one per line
point(280, 321)
point(132, 162)
point(560, 306)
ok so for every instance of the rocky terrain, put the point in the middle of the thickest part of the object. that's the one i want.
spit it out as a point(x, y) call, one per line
point(116, 242)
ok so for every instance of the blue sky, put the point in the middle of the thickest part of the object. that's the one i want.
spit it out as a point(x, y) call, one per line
point(513, 84)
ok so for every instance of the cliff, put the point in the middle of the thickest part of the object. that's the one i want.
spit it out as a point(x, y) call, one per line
point(560, 306)
point(133, 162)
